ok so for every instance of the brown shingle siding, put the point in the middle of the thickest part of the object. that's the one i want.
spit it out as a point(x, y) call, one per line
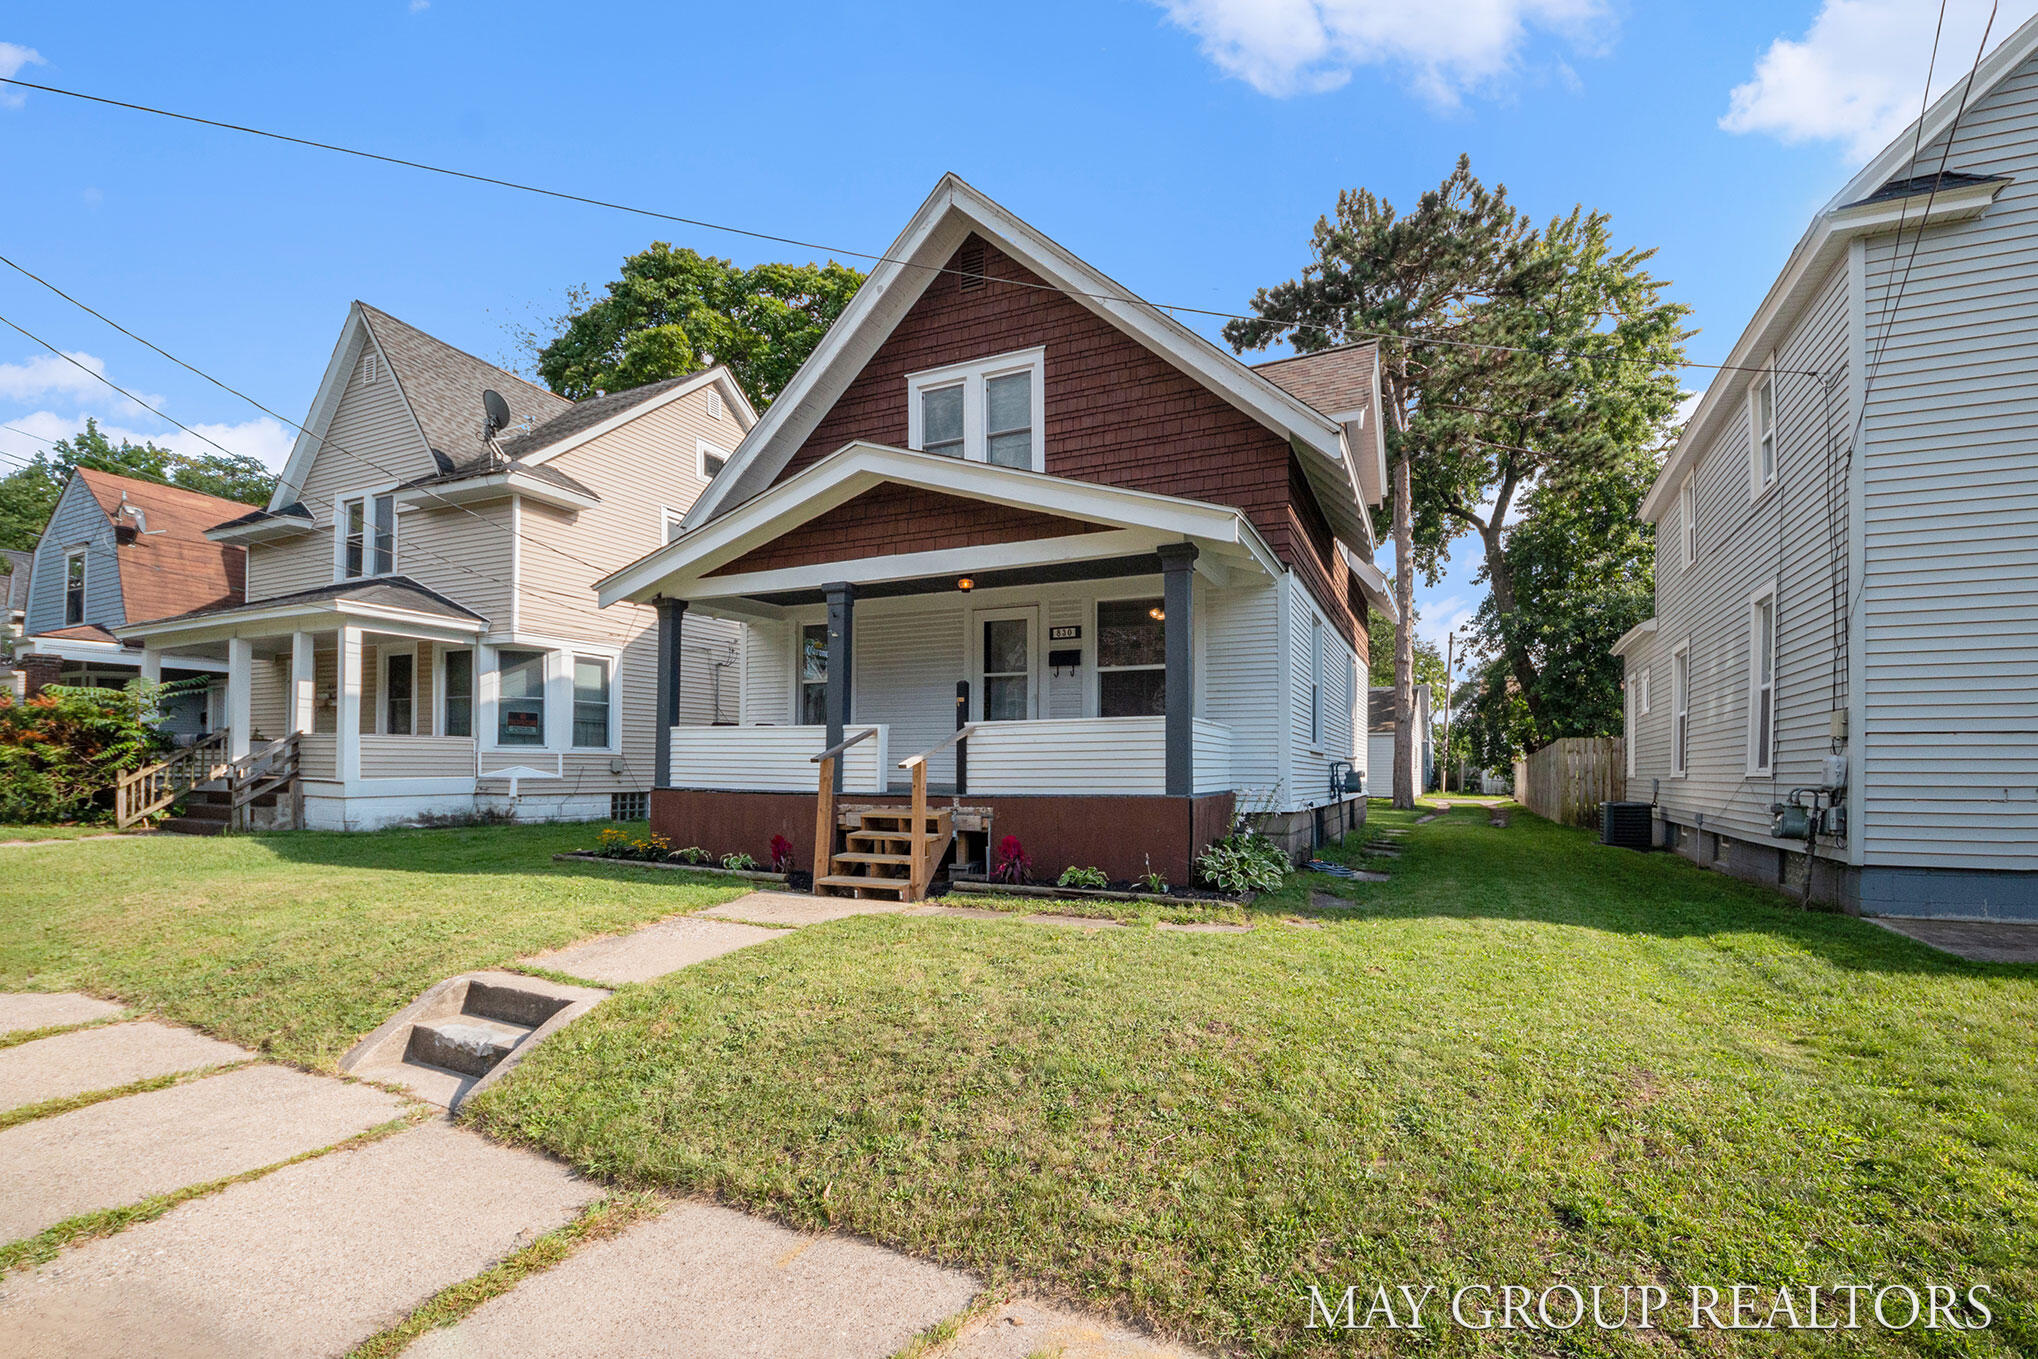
point(890, 519)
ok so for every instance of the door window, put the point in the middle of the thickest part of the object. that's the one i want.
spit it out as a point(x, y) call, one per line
point(814, 675)
point(1008, 669)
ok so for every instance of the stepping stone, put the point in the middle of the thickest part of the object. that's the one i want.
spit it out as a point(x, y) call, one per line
point(308, 1261)
point(125, 1150)
point(706, 1280)
point(103, 1058)
point(790, 908)
point(1201, 927)
point(652, 952)
point(1348, 874)
point(22, 1010)
point(1022, 1329)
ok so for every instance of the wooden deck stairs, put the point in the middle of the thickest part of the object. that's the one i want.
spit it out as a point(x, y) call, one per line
point(887, 852)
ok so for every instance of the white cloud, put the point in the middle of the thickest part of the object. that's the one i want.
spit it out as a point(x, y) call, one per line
point(1446, 47)
point(263, 438)
point(420, 6)
point(12, 59)
point(48, 375)
point(1857, 75)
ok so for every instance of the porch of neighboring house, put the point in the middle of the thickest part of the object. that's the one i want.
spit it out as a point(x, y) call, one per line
point(90, 657)
point(1089, 670)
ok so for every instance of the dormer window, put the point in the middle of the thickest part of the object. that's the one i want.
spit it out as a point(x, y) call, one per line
point(989, 410)
point(367, 534)
point(74, 588)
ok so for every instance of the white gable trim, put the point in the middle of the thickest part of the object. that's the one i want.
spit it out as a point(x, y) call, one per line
point(718, 376)
point(859, 467)
point(912, 262)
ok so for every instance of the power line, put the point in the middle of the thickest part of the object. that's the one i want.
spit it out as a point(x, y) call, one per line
point(1341, 333)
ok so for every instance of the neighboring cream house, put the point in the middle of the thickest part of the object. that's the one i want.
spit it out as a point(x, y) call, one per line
point(419, 590)
point(1380, 742)
point(1847, 544)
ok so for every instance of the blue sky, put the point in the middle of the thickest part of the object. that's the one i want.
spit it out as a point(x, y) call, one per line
point(1185, 148)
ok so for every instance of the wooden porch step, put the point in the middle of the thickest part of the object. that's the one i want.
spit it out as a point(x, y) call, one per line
point(191, 825)
point(897, 887)
point(862, 857)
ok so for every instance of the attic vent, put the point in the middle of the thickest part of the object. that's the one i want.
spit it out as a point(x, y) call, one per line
point(714, 404)
point(368, 367)
point(969, 262)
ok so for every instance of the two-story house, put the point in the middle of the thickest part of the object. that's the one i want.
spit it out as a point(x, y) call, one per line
point(1008, 497)
point(419, 602)
point(1847, 543)
point(119, 548)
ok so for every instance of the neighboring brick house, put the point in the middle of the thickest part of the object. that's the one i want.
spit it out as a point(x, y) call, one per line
point(118, 548)
point(1005, 491)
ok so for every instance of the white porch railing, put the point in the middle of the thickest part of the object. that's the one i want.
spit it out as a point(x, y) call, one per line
point(1115, 755)
point(417, 757)
point(774, 759)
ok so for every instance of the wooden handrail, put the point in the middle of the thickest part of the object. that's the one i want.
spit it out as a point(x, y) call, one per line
point(832, 751)
point(143, 792)
point(915, 761)
point(273, 767)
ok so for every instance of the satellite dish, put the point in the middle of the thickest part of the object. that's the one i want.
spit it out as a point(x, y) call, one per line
point(495, 414)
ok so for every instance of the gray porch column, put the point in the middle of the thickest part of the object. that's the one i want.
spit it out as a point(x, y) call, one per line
point(841, 658)
point(671, 622)
point(1178, 601)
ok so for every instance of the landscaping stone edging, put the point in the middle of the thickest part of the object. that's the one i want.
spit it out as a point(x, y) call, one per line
point(1096, 893)
point(752, 874)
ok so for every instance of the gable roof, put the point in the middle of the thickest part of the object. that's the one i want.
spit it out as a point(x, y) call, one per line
point(170, 566)
point(390, 594)
point(1886, 194)
point(1334, 381)
point(948, 216)
point(441, 387)
point(1380, 710)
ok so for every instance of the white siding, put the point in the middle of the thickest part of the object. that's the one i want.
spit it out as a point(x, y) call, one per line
point(417, 757)
point(1308, 783)
point(908, 661)
point(1108, 755)
point(1949, 599)
point(774, 758)
point(768, 673)
point(1240, 677)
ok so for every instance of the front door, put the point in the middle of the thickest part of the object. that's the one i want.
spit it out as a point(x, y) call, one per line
point(1007, 663)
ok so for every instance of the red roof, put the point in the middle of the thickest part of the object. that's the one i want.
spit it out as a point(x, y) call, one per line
point(171, 566)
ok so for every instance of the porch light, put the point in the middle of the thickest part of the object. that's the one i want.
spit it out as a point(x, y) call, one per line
point(1157, 614)
point(966, 584)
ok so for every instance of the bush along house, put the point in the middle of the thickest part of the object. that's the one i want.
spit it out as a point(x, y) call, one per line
point(1020, 538)
point(117, 548)
point(419, 627)
point(1839, 690)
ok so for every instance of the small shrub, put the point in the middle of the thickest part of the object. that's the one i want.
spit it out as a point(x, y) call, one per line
point(1243, 862)
point(692, 854)
point(739, 862)
point(1151, 881)
point(480, 816)
point(62, 751)
point(612, 844)
point(781, 854)
point(1092, 878)
point(1013, 864)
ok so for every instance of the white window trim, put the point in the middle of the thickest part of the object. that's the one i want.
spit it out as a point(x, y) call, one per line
point(669, 519)
point(83, 557)
point(615, 722)
point(1687, 515)
point(1093, 701)
point(1761, 763)
point(1758, 483)
point(383, 655)
point(703, 450)
point(799, 627)
point(548, 684)
point(339, 521)
point(1631, 724)
point(1316, 682)
point(1680, 711)
point(439, 695)
point(1036, 696)
point(1648, 677)
point(972, 375)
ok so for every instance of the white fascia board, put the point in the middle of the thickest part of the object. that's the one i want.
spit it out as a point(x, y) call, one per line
point(501, 485)
point(958, 561)
point(80, 649)
point(858, 467)
point(263, 530)
point(947, 216)
point(1816, 255)
point(316, 616)
point(339, 368)
point(1373, 583)
point(1640, 632)
point(717, 376)
point(1894, 159)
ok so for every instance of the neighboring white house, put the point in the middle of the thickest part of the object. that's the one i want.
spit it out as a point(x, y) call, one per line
point(420, 607)
point(1847, 543)
point(1380, 742)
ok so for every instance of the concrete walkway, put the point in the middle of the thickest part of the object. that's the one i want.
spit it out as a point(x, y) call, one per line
point(1979, 941)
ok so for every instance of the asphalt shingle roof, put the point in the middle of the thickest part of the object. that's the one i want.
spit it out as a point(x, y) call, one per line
point(1332, 382)
point(389, 592)
point(586, 415)
point(173, 566)
point(444, 385)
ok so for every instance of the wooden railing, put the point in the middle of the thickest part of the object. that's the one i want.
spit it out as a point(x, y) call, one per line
point(142, 793)
point(272, 769)
point(927, 846)
point(824, 815)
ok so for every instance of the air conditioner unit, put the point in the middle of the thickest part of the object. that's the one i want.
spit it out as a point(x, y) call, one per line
point(1627, 825)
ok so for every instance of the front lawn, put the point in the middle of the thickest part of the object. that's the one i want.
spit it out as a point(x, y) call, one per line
point(297, 944)
point(1525, 1060)
point(68, 830)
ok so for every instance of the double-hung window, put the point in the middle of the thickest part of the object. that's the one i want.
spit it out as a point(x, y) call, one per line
point(520, 698)
point(456, 697)
point(1762, 681)
point(590, 702)
point(367, 527)
point(399, 693)
point(1132, 658)
point(814, 675)
point(74, 588)
point(1762, 433)
point(1315, 681)
point(1687, 516)
point(1680, 710)
point(989, 410)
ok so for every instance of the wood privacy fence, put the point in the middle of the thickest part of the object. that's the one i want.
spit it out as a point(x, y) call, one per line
point(1567, 780)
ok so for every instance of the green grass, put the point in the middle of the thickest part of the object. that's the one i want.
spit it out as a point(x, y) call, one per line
point(297, 944)
point(1527, 1059)
point(68, 831)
